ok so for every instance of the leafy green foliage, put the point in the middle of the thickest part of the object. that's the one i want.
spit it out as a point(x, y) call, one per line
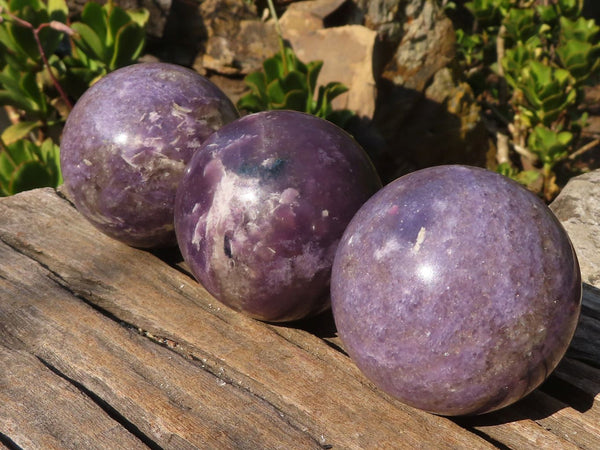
point(548, 144)
point(20, 47)
point(109, 37)
point(535, 59)
point(39, 54)
point(26, 165)
point(285, 82)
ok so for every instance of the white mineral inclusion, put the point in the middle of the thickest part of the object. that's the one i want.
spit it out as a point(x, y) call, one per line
point(420, 239)
point(390, 246)
point(289, 196)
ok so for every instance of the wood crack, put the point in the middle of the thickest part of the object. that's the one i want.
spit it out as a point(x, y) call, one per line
point(106, 407)
point(8, 442)
point(220, 374)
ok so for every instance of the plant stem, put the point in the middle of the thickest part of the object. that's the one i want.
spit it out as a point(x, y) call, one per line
point(279, 36)
point(57, 85)
point(36, 36)
point(549, 185)
point(502, 152)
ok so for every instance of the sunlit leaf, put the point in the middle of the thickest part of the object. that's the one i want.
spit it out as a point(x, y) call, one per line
point(129, 43)
point(18, 131)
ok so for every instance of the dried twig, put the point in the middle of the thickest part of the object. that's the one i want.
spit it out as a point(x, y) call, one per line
point(502, 148)
point(590, 145)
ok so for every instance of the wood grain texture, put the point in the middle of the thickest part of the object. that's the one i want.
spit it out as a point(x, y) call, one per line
point(143, 356)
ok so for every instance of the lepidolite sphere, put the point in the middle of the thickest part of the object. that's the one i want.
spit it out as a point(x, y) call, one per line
point(262, 207)
point(456, 290)
point(126, 143)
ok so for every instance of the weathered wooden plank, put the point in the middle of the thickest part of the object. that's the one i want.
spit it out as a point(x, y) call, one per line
point(294, 370)
point(166, 399)
point(320, 393)
point(42, 410)
point(585, 346)
point(583, 377)
point(591, 303)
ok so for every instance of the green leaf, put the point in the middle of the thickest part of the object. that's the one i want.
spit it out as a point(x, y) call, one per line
point(31, 175)
point(19, 5)
point(294, 100)
point(257, 83)
point(514, 61)
point(18, 131)
point(520, 24)
point(559, 101)
point(340, 117)
point(273, 68)
point(50, 155)
point(485, 11)
point(95, 17)
point(58, 10)
point(323, 103)
point(578, 30)
point(21, 151)
point(293, 63)
point(251, 103)
point(527, 177)
point(129, 43)
point(117, 19)
point(25, 165)
point(294, 80)
point(313, 71)
point(10, 78)
point(16, 99)
point(335, 89)
point(6, 166)
point(547, 13)
point(23, 37)
point(16, 85)
point(89, 41)
point(139, 16)
point(32, 90)
point(540, 73)
point(551, 146)
point(275, 93)
point(579, 58)
point(570, 8)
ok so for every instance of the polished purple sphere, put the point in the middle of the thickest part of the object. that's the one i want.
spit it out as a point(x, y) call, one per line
point(455, 290)
point(126, 143)
point(262, 207)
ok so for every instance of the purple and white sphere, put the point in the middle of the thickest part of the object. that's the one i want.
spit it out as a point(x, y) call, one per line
point(127, 141)
point(455, 290)
point(262, 207)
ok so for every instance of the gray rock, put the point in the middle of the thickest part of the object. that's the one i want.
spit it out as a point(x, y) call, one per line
point(578, 208)
point(427, 45)
point(385, 17)
point(238, 42)
point(425, 116)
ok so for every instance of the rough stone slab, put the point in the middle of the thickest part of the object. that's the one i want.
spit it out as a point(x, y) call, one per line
point(238, 42)
point(305, 16)
point(578, 208)
point(348, 53)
